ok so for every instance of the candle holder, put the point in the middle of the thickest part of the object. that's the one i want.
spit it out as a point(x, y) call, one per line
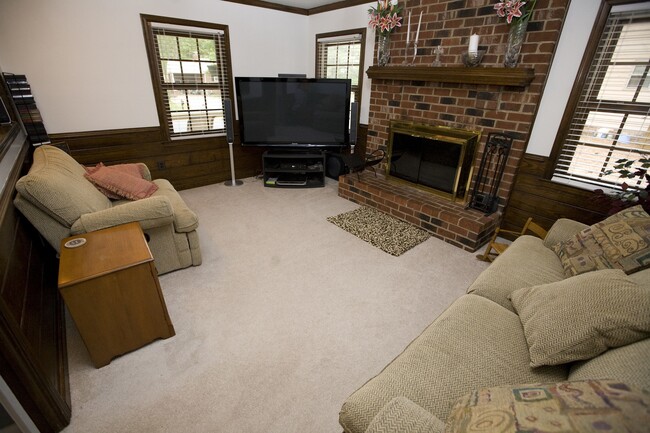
point(438, 51)
point(471, 60)
point(408, 58)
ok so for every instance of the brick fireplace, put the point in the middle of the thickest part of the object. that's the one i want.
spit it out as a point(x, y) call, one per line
point(485, 99)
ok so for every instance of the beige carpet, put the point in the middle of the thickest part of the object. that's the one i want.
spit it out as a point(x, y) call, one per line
point(287, 316)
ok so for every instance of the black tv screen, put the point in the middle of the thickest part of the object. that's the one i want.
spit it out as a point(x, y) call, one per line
point(293, 112)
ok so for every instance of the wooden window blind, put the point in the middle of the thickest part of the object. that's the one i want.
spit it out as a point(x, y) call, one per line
point(192, 74)
point(611, 120)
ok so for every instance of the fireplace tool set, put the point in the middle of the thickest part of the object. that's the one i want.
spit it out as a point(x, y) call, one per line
point(485, 193)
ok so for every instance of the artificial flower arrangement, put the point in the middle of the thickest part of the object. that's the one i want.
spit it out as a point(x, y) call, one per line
point(384, 18)
point(513, 9)
point(629, 195)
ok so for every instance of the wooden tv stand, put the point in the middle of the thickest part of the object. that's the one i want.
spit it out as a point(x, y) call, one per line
point(294, 169)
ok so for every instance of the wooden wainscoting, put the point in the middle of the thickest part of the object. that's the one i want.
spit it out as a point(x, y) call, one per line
point(33, 352)
point(185, 163)
point(546, 201)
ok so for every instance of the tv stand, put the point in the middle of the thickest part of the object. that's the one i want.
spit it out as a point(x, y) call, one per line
point(294, 169)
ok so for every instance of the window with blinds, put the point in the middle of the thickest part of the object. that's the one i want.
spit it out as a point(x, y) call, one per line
point(191, 76)
point(612, 118)
point(340, 55)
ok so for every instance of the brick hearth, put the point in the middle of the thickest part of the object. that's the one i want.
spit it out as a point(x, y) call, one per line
point(450, 221)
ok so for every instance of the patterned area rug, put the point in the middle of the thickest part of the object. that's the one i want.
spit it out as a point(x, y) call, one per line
point(381, 230)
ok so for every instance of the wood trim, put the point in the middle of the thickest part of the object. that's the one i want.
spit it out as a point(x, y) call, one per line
point(33, 355)
point(545, 200)
point(269, 5)
point(576, 91)
point(336, 5)
point(513, 77)
point(301, 11)
point(362, 31)
point(146, 21)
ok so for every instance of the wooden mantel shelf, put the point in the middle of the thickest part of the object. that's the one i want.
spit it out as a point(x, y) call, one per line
point(517, 77)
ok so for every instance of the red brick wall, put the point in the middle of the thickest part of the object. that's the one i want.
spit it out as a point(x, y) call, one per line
point(485, 108)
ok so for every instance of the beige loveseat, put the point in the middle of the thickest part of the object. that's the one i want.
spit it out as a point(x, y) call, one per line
point(60, 201)
point(480, 342)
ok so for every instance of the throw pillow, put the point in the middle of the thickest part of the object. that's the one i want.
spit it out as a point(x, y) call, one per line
point(131, 169)
point(121, 181)
point(585, 406)
point(581, 317)
point(621, 241)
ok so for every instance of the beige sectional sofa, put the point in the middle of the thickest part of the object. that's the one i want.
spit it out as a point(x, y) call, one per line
point(59, 200)
point(480, 342)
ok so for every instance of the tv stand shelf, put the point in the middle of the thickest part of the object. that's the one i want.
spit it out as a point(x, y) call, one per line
point(294, 169)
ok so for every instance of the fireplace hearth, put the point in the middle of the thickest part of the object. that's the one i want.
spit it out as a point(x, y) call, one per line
point(436, 158)
point(450, 221)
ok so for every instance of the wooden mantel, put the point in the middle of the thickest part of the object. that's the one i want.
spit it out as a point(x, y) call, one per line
point(516, 77)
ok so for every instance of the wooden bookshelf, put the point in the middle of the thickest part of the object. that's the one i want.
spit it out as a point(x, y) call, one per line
point(21, 95)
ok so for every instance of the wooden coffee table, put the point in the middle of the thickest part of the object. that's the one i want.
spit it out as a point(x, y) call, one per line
point(110, 286)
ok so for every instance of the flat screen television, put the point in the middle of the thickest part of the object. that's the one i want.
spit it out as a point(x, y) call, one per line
point(293, 112)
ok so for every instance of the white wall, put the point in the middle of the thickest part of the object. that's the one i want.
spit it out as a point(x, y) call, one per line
point(87, 64)
point(573, 41)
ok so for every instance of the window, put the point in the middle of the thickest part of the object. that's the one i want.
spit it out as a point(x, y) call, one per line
point(340, 55)
point(190, 66)
point(639, 75)
point(610, 118)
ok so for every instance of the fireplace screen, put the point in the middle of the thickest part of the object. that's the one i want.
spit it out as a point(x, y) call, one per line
point(432, 157)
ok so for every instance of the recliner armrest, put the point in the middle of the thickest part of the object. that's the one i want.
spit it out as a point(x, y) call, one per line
point(149, 212)
point(146, 173)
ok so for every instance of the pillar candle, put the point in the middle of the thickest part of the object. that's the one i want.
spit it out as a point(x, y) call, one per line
point(473, 43)
point(408, 30)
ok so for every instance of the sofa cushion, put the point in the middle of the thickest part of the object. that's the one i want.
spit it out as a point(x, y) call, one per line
point(526, 262)
point(121, 182)
point(56, 184)
point(561, 230)
point(626, 363)
point(621, 241)
point(403, 416)
point(472, 344)
point(580, 407)
point(581, 317)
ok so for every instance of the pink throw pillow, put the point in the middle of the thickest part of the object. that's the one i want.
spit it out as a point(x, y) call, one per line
point(120, 181)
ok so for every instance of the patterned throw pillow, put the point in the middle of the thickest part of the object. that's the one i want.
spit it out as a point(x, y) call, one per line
point(581, 317)
point(585, 406)
point(621, 241)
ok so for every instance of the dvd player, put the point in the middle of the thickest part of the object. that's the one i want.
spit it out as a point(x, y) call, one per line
point(288, 182)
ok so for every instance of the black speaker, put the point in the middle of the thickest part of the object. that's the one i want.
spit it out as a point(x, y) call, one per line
point(354, 121)
point(335, 166)
point(230, 134)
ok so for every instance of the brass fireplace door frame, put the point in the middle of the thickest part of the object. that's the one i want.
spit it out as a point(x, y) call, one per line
point(467, 139)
